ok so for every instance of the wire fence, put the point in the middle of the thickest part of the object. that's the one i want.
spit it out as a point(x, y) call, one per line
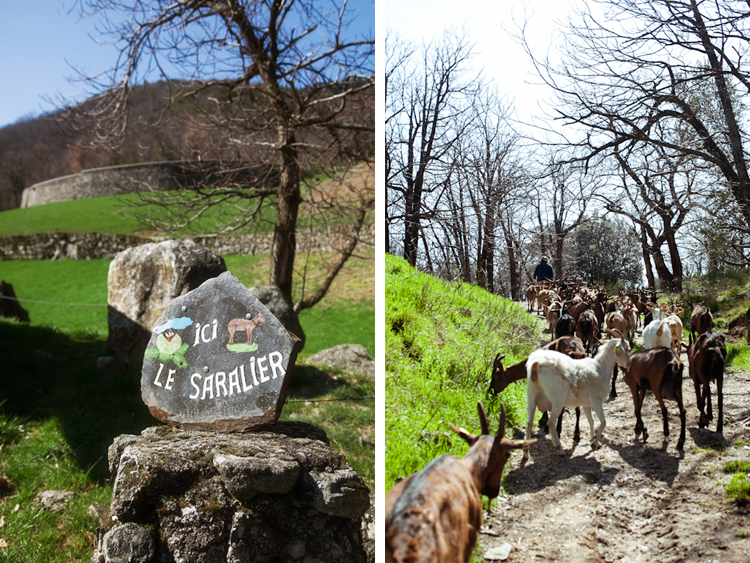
point(53, 302)
point(335, 400)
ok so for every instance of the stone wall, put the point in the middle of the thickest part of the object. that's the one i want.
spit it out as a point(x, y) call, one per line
point(151, 176)
point(86, 246)
point(104, 181)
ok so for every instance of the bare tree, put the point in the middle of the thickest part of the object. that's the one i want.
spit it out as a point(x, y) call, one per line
point(427, 115)
point(563, 193)
point(272, 82)
point(629, 75)
point(657, 193)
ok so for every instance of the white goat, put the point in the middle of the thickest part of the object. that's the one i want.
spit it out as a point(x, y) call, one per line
point(658, 332)
point(555, 380)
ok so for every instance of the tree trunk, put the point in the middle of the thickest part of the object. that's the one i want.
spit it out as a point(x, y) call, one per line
point(647, 261)
point(285, 232)
point(674, 255)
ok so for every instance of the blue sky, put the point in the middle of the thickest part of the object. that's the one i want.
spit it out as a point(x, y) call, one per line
point(37, 41)
point(40, 40)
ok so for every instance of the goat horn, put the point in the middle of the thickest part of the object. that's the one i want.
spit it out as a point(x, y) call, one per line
point(483, 418)
point(616, 332)
point(501, 428)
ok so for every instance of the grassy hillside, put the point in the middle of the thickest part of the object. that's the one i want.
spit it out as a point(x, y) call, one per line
point(441, 339)
point(118, 215)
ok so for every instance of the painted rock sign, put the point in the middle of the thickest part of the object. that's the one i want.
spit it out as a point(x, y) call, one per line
point(217, 360)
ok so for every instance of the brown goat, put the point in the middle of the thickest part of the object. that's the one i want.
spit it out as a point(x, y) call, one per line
point(660, 370)
point(435, 514)
point(701, 320)
point(530, 296)
point(587, 328)
point(706, 363)
point(578, 308)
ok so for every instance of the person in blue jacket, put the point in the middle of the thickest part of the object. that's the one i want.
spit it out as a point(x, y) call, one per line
point(543, 271)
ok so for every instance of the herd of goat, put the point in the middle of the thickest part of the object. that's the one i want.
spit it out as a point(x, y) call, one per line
point(435, 514)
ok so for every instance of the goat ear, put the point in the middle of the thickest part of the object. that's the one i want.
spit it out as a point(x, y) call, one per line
point(483, 418)
point(468, 437)
point(501, 428)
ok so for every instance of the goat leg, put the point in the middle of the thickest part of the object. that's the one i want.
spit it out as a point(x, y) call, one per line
point(613, 392)
point(699, 399)
point(664, 413)
point(555, 413)
point(637, 404)
point(587, 412)
point(641, 392)
point(577, 433)
point(720, 402)
point(544, 423)
point(681, 442)
point(599, 409)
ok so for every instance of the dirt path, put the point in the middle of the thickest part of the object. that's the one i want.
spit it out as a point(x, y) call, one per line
point(630, 501)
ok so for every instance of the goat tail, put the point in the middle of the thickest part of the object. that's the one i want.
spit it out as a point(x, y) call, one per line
point(535, 372)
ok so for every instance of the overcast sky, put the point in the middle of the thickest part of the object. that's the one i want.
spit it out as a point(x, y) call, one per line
point(489, 24)
point(40, 40)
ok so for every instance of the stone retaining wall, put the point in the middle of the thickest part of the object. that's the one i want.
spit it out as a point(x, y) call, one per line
point(86, 246)
point(132, 178)
point(104, 181)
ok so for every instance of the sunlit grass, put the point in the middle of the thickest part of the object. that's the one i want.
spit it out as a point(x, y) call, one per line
point(441, 338)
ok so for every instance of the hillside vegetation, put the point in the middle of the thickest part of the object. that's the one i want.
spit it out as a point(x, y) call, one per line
point(38, 149)
point(441, 339)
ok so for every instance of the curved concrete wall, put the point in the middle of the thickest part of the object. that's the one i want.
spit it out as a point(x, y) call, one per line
point(112, 180)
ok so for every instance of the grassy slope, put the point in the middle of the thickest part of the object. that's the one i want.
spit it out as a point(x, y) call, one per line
point(116, 214)
point(441, 338)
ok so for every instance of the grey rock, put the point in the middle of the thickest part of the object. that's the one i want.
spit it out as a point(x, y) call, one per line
point(338, 492)
point(247, 477)
point(129, 543)
point(218, 359)
point(368, 530)
point(498, 553)
point(352, 358)
point(53, 500)
point(142, 281)
point(271, 297)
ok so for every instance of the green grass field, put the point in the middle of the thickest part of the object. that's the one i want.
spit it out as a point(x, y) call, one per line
point(118, 215)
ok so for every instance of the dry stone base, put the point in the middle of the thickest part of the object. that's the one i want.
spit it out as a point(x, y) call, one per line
point(278, 493)
point(87, 246)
